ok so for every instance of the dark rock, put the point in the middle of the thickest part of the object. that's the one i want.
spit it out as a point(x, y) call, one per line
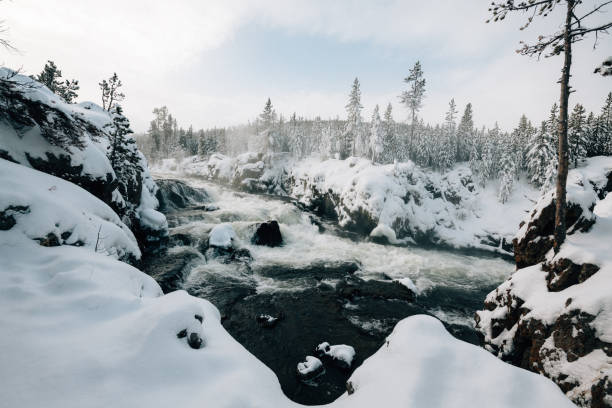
point(51, 240)
point(356, 287)
point(268, 233)
point(7, 216)
point(180, 239)
point(267, 321)
point(538, 240)
point(176, 195)
point(169, 269)
point(195, 341)
point(564, 273)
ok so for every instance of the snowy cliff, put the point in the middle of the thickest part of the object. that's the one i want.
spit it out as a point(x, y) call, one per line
point(71, 141)
point(554, 314)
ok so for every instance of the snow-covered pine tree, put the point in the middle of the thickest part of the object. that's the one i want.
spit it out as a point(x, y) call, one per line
point(376, 137)
point(540, 154)
point(577, 135)
point(465, 134)
point(507, 169)
point(389, 138)
point(267, 137)
point(488, 163)
point(605, 126)
point(449, 141)
point(351, 140)
point(520, 139)
point(552, 124)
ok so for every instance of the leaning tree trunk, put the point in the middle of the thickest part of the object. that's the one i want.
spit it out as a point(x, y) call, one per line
point(560, 227)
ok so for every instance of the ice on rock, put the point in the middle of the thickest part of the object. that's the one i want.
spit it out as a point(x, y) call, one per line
point(222, 236)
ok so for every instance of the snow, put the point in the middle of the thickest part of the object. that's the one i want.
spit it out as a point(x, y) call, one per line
point(340, 352)
point(153, 219)
point(420, 365)
point(222, 236)
point(82, 329)
point(311, 365)
point(58, 207)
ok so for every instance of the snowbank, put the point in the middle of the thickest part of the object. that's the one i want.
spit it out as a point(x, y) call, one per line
point(56, 212)
point(420, 365)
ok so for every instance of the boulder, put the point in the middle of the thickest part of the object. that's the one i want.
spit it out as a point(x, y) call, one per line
point(268, 233)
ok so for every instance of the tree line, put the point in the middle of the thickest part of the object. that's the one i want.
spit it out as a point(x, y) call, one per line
point(492, 154)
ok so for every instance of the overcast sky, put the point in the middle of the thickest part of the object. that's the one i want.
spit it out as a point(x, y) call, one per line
point(214, 63)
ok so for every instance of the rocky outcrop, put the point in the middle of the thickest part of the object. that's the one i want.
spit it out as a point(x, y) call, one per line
point(71, 141)
point(551, 315)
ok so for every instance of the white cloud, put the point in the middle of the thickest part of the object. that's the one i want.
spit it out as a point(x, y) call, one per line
point(149, 43)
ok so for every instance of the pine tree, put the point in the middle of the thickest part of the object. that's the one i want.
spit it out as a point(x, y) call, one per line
point(577, 136)
point(110, 92)
point(541, 153)
point(389, 138)
point(267, 134)
point(507, 170)
point(605, 126)
point(377, 136)
point(51, 78)
point(351, 140)
point(465, 134)
point(449, 142)
point(413, 97)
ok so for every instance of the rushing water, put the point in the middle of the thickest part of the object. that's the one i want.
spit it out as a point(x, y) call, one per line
point(296, 282)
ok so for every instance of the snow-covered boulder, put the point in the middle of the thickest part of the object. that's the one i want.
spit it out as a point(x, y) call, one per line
point(340, 354)
point(310, 368)
point(71, 141)
point(222, 236)
point(554, 316)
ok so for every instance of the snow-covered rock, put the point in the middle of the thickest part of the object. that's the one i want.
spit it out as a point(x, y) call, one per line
point(222, 236)
point(71, 141)
point(341, 354)
point(310, 368)
point(554, 315)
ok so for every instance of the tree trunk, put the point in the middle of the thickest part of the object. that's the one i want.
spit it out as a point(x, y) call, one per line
point(560, 227)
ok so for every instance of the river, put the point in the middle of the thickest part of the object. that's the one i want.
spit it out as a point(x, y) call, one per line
point(322, 284)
